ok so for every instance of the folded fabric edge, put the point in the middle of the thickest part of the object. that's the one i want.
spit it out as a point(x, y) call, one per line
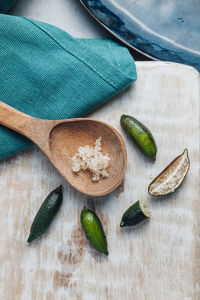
point(126, 61)
point(113, 71)
point(16, 151)
point(120, 79)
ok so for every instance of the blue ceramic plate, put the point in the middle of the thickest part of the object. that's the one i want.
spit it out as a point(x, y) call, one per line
point(165, 30)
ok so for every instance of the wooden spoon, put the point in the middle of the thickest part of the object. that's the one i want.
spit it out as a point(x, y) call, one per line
point(60, 140)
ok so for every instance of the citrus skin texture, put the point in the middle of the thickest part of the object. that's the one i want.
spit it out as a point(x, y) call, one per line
point(135, 214)
point(94, 230)
point(46, 214)
point(140, 135)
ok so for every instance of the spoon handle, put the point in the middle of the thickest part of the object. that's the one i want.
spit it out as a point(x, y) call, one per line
point(31, 127)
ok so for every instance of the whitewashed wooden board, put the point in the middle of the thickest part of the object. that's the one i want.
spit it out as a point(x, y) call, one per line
point(159, 259)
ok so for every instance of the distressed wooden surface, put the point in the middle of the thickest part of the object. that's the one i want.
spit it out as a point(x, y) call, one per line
point(159, 259)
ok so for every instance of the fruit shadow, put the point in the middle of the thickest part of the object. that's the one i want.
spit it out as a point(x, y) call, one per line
point(164, 200)
point(97, 256)
point(135, 230)
point(48, 232)
point(38, 241)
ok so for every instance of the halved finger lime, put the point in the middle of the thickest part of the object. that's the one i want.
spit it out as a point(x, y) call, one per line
point(135, 214)
point(171, 177)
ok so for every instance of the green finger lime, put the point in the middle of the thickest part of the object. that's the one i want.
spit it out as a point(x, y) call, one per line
point(46, 214)
point(140, 135)
point(94, 230)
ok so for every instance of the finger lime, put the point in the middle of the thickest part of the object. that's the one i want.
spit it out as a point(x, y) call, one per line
point(135, 214)
point(46, 214)
point(140, 135)
point(94, 230)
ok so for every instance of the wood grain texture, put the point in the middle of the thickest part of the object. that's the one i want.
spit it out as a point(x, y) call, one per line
point(159, 259)
point(69, 135)
point(60, 140)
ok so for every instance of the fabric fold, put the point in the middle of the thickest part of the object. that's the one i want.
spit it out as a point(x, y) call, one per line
point(48, 74)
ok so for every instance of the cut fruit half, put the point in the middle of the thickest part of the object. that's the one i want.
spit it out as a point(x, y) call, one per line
point(135, 214)
point(171, 177)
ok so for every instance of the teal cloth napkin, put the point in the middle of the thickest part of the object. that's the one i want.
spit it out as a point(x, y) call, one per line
point(48, 74)
point(5, 5)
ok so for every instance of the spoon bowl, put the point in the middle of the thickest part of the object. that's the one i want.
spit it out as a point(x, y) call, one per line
point(60, 140)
